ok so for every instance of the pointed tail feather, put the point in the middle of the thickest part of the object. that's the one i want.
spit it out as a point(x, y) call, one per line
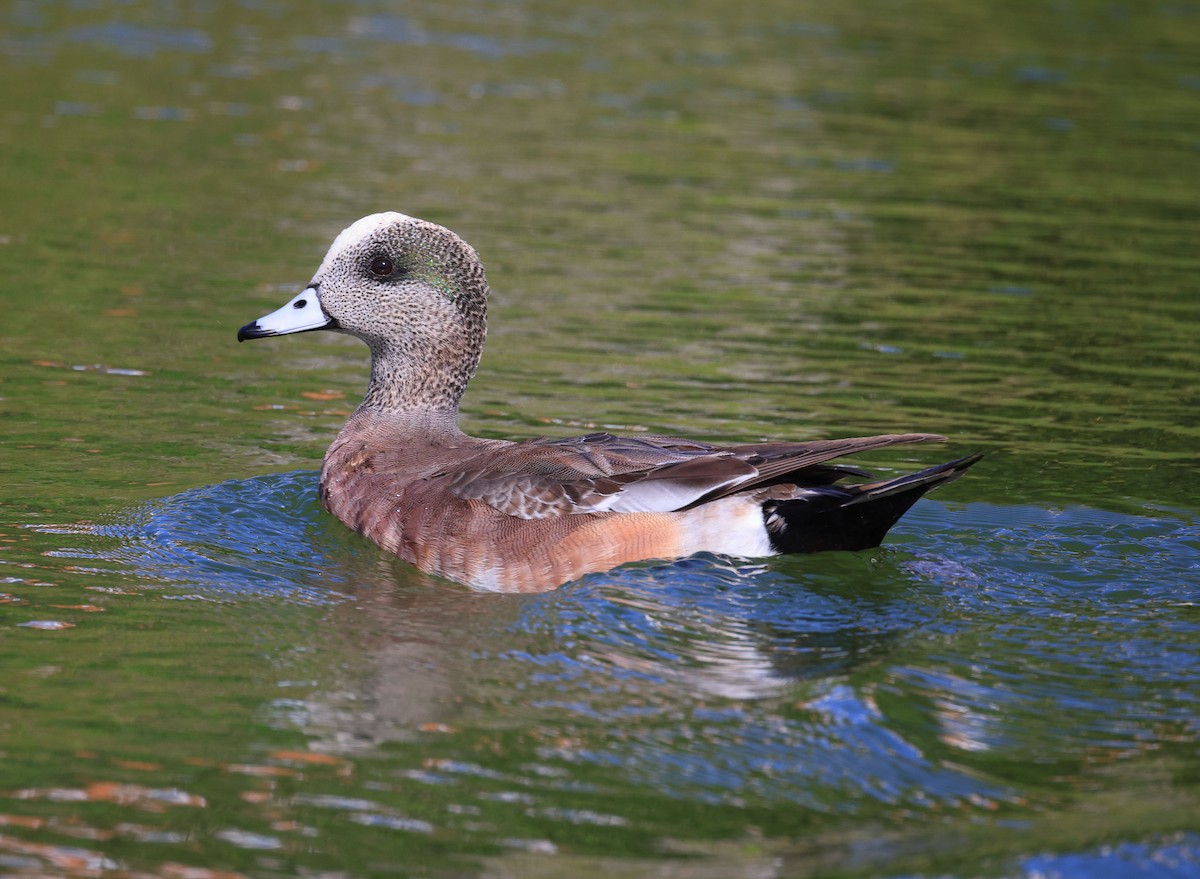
point(852, 517)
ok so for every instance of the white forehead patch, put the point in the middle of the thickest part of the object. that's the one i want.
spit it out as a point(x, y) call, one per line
point(362, 229)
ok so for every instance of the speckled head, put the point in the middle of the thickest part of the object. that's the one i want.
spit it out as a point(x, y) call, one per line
point(414, 292)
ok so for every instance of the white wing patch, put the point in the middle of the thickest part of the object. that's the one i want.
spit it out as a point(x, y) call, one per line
point(663, 495)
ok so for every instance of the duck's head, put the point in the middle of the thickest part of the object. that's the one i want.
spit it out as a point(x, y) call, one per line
point(413, 291)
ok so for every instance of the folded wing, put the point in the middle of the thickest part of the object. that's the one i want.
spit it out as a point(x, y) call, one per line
point(602, 473)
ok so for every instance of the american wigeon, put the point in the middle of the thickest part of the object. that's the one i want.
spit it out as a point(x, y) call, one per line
point(529, 516)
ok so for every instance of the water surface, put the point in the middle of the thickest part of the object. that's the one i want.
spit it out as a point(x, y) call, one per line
point(781, 221)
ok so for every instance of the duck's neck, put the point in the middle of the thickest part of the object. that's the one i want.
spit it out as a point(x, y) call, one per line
point(420, 392)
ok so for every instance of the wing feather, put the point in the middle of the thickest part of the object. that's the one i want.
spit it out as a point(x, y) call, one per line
point(600, 473)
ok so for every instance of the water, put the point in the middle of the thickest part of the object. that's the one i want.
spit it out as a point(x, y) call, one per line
point(782, 221)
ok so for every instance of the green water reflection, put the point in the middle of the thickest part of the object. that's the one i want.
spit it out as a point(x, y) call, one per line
point(731, 222)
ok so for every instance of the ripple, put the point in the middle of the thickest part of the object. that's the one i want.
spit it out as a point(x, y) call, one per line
point(1169, 858)
point(141, 41)
point(247, 839)
point(405, 31)
point(843, 682)
point(253, 536)
point(47, 625)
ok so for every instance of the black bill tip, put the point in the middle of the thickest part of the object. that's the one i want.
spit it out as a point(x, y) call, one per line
point(253, 331)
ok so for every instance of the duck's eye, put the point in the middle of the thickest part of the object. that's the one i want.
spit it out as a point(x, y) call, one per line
point(382, 266)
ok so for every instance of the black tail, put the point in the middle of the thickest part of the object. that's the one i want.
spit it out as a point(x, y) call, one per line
point(853, 516)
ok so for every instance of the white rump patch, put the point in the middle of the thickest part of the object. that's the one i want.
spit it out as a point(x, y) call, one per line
point(730, 526)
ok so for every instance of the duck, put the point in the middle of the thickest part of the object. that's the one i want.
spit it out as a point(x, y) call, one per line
point(532, 515)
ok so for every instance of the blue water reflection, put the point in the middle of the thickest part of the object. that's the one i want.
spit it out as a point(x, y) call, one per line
point(140, 41)
point(839, 683)
point(1167, 859)
point(251, 536)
